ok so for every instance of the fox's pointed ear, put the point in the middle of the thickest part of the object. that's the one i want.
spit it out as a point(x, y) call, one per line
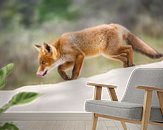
point(38, 47)
point(47, 47)
point(50, 49)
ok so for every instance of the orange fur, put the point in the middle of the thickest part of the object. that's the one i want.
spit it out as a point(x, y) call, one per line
point(107, 40)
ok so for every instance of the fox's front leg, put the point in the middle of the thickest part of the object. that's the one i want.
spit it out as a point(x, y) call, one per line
point(62, 68)
point(77, 66)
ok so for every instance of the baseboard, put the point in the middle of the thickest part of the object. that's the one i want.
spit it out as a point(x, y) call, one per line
point(48, 116)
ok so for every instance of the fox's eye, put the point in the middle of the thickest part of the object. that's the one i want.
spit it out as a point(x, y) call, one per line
point(43, 62)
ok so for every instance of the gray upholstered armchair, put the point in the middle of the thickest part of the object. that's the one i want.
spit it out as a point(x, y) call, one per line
point(142, 102)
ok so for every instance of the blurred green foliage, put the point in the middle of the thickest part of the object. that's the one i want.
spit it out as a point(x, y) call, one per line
point(23, 97)
point(56, 9)
point(20, 98)
point(17, 12)
point(4, 72)
point(9, 126)
point(31, 12)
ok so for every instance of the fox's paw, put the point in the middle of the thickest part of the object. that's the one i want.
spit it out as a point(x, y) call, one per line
point(125, 65)
point(67, 78)
point(132, 65)
point(72, 78)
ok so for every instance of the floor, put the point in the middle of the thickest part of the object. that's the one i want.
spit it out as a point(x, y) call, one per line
point(70, 125)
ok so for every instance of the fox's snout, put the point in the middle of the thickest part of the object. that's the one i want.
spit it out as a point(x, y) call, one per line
point(41, 73)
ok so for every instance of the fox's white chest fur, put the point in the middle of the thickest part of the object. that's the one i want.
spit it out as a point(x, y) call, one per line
point(59, 62)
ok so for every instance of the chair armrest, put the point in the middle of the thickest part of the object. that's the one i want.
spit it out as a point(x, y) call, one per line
point(148, 100)
point(98, 89)
point(148, 88)
point(101, 85)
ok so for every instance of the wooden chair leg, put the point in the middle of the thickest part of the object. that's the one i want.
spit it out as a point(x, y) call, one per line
point(146, 110)
point(160, 98)
point(124, 125)
point(97, 96)
point(94, 122)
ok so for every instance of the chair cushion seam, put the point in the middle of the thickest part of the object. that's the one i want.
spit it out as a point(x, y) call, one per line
point(114, 106)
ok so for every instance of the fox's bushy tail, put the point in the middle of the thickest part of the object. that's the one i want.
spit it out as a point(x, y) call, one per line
point(140, 46)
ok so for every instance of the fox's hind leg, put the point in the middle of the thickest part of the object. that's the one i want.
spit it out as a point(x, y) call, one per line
point(127, 49)
point(123, 53)
point(122, 57)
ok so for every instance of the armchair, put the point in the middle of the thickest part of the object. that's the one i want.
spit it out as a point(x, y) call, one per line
point(137, 106)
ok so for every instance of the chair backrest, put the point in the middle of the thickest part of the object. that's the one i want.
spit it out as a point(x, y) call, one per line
point(139, 77)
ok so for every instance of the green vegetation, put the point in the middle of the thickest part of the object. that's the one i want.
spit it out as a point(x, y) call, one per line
point(18, 99)
point(56, 9)
point(23, 97)
point(4, 72)
point(9, 126)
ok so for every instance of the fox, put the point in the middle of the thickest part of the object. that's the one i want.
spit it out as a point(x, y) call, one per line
point(112, 41)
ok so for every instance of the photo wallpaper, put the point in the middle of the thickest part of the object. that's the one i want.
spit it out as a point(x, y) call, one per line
point(27, 25)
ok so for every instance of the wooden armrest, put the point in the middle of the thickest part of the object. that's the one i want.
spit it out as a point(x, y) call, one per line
point(98, 88)
point(147, 88)
point(101, 85)
point(148, 100)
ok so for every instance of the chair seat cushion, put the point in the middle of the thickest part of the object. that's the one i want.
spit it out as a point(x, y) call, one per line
point(125, 110)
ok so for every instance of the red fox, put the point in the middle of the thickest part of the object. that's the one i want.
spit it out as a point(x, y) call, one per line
point(110, 40)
